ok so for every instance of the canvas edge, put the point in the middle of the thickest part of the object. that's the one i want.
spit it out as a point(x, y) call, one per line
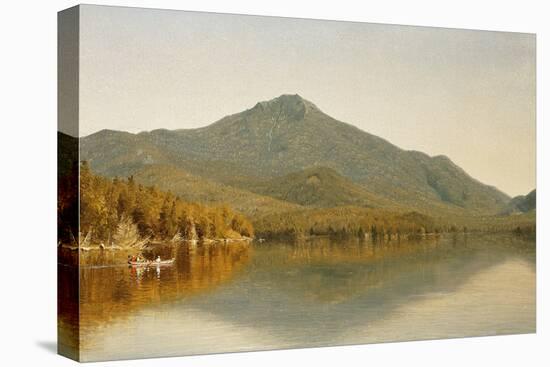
point(68, 49)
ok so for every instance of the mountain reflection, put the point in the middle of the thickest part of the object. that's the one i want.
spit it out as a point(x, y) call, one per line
point(324, 287)
point(307, 293)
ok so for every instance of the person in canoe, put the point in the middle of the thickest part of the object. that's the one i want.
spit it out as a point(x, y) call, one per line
point(158, 259)
point(135, 259)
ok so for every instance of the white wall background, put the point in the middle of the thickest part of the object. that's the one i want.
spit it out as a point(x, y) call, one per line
point(28, 182)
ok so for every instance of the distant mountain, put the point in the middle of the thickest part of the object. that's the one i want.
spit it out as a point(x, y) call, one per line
point(290, 134)
point(522, 204)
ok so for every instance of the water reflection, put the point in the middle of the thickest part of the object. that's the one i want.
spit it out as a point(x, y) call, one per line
point(243, 297)
point(336, 286)
point(110, 289)
point(114, 291)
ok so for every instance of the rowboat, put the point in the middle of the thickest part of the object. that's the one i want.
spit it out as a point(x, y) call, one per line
point(151, 263)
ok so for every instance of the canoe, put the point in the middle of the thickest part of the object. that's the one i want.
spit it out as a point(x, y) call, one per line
point(151, 263)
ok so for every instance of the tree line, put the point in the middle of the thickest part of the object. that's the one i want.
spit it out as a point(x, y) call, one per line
point(346, 222)
point(381, 224)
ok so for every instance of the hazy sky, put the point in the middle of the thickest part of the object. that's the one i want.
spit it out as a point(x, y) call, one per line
point(467, 94)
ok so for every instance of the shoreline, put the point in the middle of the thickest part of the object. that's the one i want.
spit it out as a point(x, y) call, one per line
point(268, 239)
point(153, 244)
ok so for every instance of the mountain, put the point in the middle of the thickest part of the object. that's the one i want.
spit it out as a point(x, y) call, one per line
point(522, 204)
point(289, 134)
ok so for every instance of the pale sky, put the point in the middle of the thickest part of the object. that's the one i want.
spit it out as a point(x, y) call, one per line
point(467, 94)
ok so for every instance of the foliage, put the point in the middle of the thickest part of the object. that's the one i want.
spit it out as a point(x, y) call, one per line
point(123, 213)
point(126, 233)
point(346, 221)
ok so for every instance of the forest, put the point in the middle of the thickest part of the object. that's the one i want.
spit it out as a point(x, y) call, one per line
point(123, 213)
point(346, 221)
point(379, 224)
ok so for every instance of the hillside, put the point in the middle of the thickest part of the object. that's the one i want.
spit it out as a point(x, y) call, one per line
point(289, 134)
point(522, 204)
point(197, 189)
point(320, 187)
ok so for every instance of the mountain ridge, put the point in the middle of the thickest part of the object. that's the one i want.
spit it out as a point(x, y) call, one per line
point(289, 134)
point(521, 204)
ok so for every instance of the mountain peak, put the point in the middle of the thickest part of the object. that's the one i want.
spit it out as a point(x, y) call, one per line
point(287, 98)
point(286, 107)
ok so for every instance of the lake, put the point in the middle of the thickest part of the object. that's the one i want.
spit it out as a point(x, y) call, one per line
point(242, 297)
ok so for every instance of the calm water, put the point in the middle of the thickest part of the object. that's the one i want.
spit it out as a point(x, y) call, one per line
point(240, 297)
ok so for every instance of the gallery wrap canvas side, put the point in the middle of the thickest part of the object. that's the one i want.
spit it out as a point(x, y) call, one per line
point(67, 177)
